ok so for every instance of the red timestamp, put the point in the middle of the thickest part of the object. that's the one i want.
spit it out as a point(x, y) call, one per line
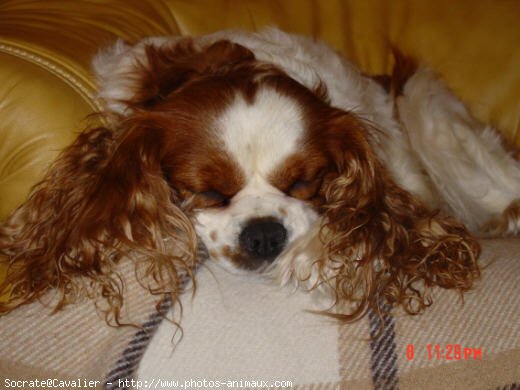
point(447, 352)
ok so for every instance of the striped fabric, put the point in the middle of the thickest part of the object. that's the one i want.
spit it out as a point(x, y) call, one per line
point(126, 365)
point(384, 356)
point(242, 327)
point(218, 320)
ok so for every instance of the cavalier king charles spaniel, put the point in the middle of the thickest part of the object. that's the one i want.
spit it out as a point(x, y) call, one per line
point(277, 155)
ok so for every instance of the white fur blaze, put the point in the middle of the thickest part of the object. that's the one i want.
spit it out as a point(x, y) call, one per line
point(261, 135)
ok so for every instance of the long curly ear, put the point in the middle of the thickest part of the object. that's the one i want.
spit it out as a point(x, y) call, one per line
point(103, 199)
point(381, 243)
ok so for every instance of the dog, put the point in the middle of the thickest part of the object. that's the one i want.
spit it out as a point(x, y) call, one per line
point(280, 157)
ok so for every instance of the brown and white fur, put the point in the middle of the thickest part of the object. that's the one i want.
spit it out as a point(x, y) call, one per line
point(280, 156)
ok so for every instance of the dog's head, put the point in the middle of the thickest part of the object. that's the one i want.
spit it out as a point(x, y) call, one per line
point(247, 151)
point(206, 140)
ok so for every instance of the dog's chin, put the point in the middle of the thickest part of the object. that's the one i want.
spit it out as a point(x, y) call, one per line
point(264, 268)
point(235, 261)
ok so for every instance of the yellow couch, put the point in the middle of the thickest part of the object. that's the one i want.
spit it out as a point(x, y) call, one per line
point(47, 89)
point(46, 46)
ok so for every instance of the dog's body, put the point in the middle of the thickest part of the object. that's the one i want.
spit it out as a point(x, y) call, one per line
point(281, 156)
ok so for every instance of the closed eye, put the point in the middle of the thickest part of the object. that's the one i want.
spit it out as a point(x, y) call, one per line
point(213, 198)
point(304, 189)
point(299, 185)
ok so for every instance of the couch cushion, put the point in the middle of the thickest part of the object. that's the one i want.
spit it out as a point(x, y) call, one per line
point(471, 45)
point(39, 114)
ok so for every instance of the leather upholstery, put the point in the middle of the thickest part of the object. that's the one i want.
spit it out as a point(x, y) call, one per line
point(46, 88)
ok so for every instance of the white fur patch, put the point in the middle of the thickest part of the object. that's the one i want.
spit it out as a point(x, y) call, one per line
point(465, 159)
point(260, 136)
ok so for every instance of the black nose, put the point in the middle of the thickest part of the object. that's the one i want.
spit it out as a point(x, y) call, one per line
point(263, 239)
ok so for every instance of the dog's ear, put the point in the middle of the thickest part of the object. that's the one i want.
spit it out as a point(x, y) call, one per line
point(103, 199)
point(138, 76)
point(381, 243)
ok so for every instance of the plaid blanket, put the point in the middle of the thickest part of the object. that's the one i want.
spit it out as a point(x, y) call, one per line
point(240, 331)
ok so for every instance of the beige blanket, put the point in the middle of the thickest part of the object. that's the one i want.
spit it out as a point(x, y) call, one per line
point(241, 331)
